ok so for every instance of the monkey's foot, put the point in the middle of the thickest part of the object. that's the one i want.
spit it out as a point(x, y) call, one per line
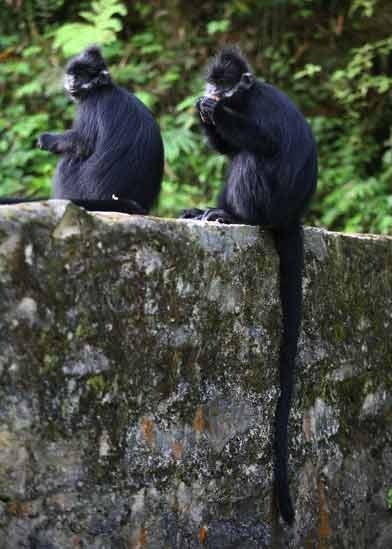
point(210, 214)
point(192, 213)
point(219, 215)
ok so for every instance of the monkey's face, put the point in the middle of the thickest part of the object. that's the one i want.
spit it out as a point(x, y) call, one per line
point(227, 74)
point(222, 80)
point(85, 73)
point(225, 88)
point(216, 90)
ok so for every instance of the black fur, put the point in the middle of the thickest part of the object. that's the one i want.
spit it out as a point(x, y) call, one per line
point(114, 146)
point(271, 178)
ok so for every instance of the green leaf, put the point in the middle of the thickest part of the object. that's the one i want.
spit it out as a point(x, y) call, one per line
point(101, 27)
point(214, 27)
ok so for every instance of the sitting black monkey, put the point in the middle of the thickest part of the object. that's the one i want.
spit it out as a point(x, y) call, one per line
point(112, 158)
point(271, 178)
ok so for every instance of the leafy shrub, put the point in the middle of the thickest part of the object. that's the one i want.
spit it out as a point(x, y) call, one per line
point(335, 61)
point(100, 27)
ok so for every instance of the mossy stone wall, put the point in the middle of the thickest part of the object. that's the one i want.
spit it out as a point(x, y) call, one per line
point(138, 374)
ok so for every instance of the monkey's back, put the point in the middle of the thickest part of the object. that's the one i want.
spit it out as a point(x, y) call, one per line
point(127, 151)
point(289, 176)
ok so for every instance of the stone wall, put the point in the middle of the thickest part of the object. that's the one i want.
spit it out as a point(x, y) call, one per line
point(138, 376)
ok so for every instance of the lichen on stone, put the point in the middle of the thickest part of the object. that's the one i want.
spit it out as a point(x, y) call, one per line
point(138, 381)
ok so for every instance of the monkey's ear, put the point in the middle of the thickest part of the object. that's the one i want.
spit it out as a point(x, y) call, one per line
point(247, 80)
point(104, 77)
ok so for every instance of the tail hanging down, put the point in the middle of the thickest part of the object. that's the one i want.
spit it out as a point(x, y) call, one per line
point(289, 245)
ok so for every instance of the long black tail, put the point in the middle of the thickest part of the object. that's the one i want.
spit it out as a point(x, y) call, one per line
point(5, 200)
point(290, 248)
point(118, 205)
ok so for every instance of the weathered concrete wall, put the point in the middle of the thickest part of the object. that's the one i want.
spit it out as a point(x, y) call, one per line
point(138, 384)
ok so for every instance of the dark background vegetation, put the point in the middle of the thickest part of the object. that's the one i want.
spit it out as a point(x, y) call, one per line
point(333, 57)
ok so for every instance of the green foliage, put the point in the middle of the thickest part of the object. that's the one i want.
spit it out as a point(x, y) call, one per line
point(353, 84)
point(196, 181)
point(365, 7)
point(24, 169)
point(349, 198)
point(333, 59)
point(309, 70)
point(213, 27)
point(100, 27)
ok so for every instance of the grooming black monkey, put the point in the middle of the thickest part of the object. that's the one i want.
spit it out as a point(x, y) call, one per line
point(271, 178)
point(112, 158)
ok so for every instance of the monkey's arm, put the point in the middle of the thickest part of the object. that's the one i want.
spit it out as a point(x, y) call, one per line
point(239, 131)
point(244, 133)
point(69, 142)
point(216, 141)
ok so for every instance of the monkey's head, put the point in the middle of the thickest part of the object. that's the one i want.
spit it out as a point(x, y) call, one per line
point(228, 74)
point(86, 73)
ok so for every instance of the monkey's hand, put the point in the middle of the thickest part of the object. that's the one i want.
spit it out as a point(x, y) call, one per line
point(206, 107)
point(67, 143)
point(48, 142)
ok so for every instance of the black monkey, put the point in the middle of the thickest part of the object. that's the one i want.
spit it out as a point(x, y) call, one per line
point(271, 178)
point(112, 158)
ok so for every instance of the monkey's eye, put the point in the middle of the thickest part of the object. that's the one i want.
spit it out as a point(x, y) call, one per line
point(224, 84)
point(82, 71)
